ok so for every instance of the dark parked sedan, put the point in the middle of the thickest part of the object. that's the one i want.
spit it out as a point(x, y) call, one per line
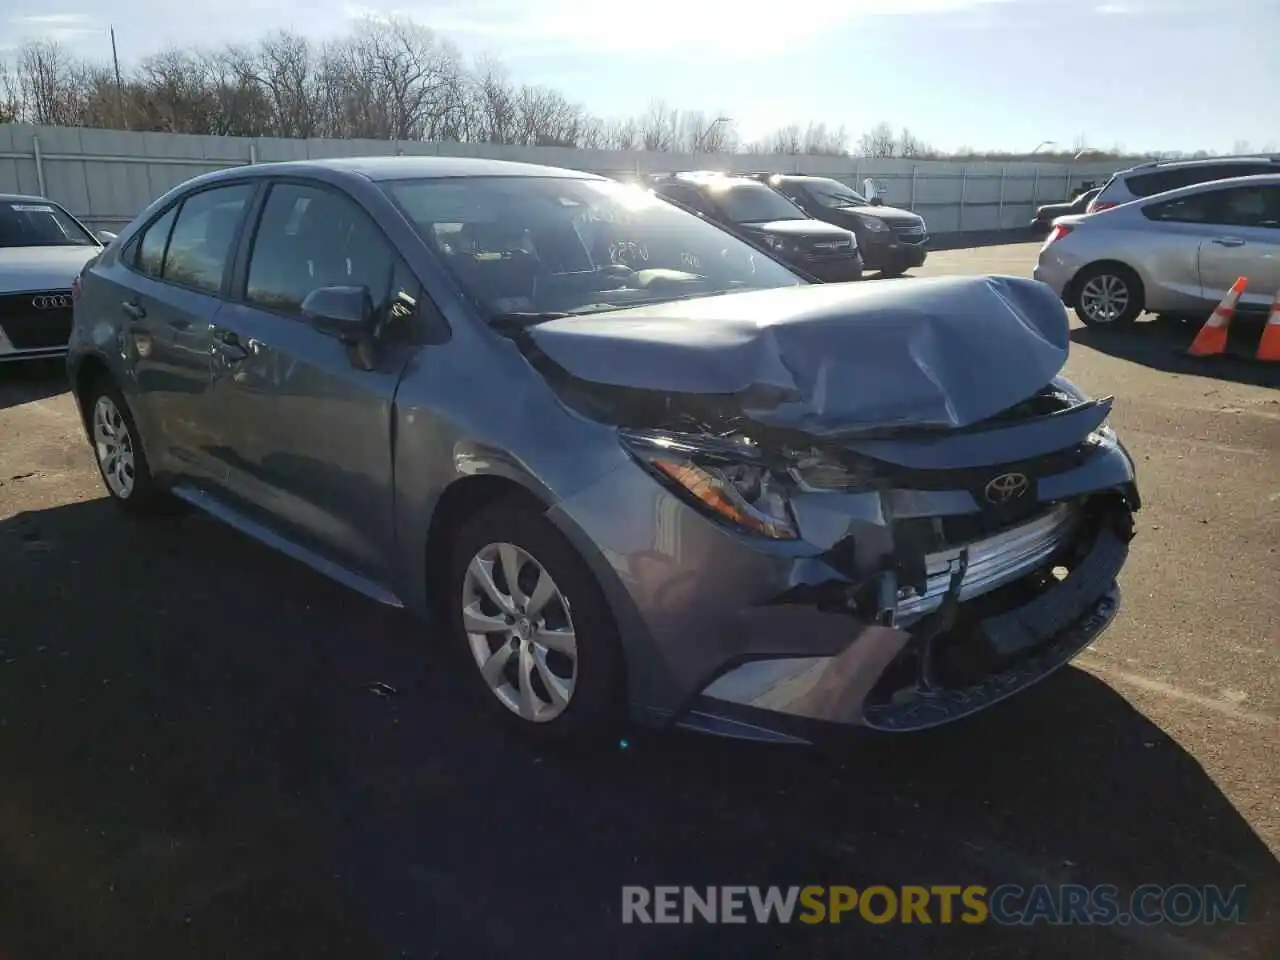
point(892, 240)
point(633, 464)
point(764, 217)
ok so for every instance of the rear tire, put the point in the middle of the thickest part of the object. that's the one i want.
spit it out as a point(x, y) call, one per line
point(118, 452)
point(1107, 295)
point(543, 652)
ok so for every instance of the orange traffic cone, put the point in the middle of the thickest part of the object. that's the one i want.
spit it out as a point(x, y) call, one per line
point(1269, 347)
point(1212, 338)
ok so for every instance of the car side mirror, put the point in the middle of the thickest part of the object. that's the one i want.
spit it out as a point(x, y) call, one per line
point(104, 237)
point(344, 313)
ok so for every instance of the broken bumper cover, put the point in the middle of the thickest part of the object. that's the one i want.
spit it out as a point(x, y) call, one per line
point(782, 697)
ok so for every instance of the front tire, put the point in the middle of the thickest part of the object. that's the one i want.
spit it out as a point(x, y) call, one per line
point(1108, 295)
point(117, 450)
point(533, 627)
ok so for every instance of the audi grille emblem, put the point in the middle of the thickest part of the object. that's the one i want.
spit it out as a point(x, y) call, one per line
point(1007, 487)
point(54, 301)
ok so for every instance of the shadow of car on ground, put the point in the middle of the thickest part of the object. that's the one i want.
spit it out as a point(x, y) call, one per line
point(208, 750)
point(22, 382)
point(1162, 345)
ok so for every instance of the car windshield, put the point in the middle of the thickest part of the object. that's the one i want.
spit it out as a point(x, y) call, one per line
point(38, 223)
point(547, 245)
point(753, 203)
point(833, 193)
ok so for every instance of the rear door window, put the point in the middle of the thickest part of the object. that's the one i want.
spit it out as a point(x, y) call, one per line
point(1250, 207)
point(1194, 209)
point(203, 236)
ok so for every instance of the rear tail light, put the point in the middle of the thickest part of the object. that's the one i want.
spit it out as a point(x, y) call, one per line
point(1057, 233)
point(1096, 207)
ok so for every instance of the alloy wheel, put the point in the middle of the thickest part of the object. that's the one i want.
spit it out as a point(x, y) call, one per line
point(113, 445)
point(520, 631)
point(1104, 298)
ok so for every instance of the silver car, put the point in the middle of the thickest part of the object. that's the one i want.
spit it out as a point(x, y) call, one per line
point(630, 463)
point(42, 249)
point(1176, 253)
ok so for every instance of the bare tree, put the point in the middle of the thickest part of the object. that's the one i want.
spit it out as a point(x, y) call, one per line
point(284, 69)
point(393, 79)
point(622, 134)
point(493, 102)
point(658, 127)
point(49, 83)
point(10, 95)
point(819, 140)
point(911, 146)
point(878, 141)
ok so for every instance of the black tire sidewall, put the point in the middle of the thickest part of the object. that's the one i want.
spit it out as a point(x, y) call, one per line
point(596, 710)
point(1132, 284)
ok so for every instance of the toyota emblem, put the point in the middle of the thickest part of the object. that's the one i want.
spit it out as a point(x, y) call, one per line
point(52, 301)
point(1007, 487)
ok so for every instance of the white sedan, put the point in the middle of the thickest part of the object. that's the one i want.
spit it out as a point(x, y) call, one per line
point(42, 250)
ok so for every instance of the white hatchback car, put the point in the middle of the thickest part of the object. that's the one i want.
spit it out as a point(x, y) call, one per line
point(42, 250)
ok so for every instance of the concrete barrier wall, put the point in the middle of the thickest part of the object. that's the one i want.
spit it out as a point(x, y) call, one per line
point(107, 176)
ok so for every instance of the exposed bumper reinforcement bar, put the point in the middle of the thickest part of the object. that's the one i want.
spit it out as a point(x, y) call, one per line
point(992, 562)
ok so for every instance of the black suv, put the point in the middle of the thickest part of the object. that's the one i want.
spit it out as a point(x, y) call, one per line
point(891, 240)
point(752, 210)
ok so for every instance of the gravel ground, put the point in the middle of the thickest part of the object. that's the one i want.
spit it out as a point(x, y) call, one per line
point(193, 762)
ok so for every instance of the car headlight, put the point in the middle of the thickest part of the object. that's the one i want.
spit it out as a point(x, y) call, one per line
point(728, 481)
point(776, 244)
point(874, 224)
point(733, 482)
point(1104, 436)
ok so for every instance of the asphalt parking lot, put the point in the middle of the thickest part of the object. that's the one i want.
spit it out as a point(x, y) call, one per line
point(209, 751)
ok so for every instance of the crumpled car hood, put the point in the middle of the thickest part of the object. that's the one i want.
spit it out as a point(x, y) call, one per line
point(942, 352)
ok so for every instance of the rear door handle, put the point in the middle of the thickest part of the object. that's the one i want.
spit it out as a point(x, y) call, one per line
point(134, 309)
point(1228, 241)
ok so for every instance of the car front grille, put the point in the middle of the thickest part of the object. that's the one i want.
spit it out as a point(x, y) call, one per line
point(908, 231)
point(31, 327)
point(830, 250)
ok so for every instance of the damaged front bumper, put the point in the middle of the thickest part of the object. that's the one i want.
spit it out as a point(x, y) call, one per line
point(1030, 615)
point(897, 609)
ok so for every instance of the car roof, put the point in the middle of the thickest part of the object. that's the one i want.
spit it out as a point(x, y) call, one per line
point(26, 198)
point(1200, 162)
point(1258, 180)
point(408, 168)
point(703, 178)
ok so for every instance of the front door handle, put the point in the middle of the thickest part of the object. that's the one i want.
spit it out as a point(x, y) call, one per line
point(1228, 241)
point(229, 345)
point(134, 309)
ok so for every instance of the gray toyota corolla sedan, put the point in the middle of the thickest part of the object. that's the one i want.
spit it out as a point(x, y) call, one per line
point(630, 464)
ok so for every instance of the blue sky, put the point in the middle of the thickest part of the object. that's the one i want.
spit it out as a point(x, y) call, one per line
point(1001, 74)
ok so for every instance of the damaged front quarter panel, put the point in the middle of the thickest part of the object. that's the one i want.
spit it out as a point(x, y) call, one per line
point(854, 432)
